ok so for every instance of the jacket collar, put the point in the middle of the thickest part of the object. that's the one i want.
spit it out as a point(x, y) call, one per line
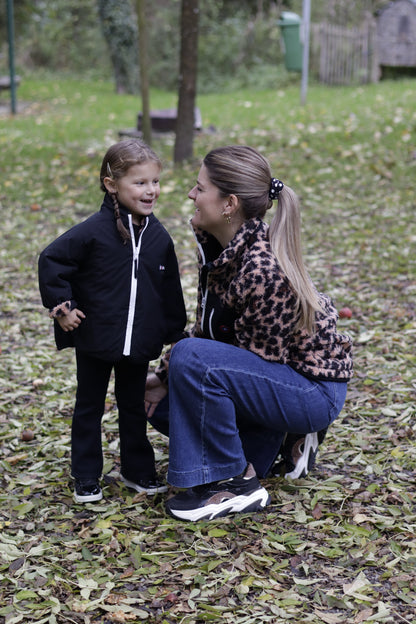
point(108, 206)
point(212, 252)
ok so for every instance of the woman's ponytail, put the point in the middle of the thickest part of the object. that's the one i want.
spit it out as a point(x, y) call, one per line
point(285, 242)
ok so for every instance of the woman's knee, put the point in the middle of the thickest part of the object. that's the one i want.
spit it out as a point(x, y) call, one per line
point(178, 352)
point(183, 353)
point(190, 359)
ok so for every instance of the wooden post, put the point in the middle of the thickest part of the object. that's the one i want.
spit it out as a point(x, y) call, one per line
point(10, 30)
point(185, 121)
point(144, 76)
point(306, 22)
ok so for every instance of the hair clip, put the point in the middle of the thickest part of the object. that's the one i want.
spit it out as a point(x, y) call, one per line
point(275, 188)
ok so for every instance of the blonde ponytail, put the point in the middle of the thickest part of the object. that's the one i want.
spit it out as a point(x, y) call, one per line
point(285, 242)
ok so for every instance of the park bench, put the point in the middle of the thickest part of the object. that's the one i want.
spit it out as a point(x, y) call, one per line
point(161, 121)
point(6, 83)
point(165, 120)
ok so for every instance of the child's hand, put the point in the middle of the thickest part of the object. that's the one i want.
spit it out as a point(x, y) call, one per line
point(71, 320)
point(155, 391)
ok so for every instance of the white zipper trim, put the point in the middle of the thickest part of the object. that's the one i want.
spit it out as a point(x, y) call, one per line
point(133, 286)
point(203, 302)
point(211, 333)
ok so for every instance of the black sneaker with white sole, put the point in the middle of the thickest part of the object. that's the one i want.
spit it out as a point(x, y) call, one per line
point(239, 494)
point(301, 456)
point(149, 486)
point(87, 491)
point(298, 454)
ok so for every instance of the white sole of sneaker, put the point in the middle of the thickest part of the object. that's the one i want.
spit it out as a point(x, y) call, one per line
point(310, 447)
point(91, 498)
point(139, 488)
point(239, 504)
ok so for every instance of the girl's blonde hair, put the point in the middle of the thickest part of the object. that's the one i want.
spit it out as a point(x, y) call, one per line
point(115, 165)
point(242, 171)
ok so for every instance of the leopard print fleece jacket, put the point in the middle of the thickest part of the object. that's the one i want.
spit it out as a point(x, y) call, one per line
point(246, 279)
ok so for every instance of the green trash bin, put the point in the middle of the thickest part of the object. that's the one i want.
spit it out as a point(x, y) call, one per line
point(293, 49)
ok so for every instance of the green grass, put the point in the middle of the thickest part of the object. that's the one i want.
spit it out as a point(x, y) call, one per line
point(336, 547)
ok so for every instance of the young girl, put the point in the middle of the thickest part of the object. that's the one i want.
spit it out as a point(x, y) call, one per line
point(112, 286)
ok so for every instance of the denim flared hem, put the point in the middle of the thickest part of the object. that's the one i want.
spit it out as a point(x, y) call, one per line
point(205, 475)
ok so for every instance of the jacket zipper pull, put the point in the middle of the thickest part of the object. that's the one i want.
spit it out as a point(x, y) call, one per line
point(136, 267)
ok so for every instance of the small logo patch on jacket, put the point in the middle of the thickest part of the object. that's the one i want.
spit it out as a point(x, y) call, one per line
point(161, 267)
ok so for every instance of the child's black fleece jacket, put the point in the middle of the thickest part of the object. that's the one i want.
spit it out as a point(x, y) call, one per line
point(130, 292)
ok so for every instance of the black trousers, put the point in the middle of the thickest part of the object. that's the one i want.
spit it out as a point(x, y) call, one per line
point(136, 453)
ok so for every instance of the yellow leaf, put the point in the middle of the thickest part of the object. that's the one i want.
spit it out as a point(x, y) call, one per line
point(301, 581)
point(359, 518)
point(330, 618)
point(103, 524)
point(352, 588)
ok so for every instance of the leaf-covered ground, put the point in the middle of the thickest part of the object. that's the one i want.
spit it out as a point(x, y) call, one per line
point(336, 547)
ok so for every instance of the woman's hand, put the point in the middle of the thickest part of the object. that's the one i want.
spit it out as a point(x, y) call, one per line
point(71, 320)
point(154, 392)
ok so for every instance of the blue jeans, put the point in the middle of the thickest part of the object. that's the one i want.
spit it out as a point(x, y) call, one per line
point(229, 406)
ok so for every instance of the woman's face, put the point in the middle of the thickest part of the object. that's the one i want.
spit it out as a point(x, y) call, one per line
point(209, 205)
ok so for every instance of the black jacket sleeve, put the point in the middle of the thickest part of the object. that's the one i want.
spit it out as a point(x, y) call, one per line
point(58, 265)
point(173, 305)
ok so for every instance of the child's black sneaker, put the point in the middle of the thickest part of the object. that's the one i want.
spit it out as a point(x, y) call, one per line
point(149, 486)
point(213, 500)
point(298, 454)
point(87, 491)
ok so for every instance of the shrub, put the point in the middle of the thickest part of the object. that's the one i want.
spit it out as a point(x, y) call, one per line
point(237, 48)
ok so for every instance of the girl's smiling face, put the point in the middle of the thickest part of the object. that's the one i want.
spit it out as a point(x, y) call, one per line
point(138, 190)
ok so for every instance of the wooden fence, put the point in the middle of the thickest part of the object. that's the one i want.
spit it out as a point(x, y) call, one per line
point(344, 56)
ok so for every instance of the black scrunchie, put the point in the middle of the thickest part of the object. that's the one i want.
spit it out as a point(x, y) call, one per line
point(275, 188)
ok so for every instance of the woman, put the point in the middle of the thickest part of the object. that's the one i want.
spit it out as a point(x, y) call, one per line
point(264, 358)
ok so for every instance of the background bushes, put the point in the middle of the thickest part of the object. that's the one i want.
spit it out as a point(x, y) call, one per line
point(237, 47)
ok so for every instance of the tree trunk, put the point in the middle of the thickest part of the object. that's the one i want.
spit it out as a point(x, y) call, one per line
point(144, 77)
point(120, 32)
point(187, 81)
